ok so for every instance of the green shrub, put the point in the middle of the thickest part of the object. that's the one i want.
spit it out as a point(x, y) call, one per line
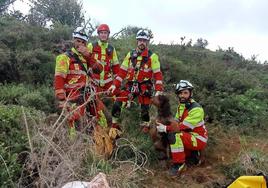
point(13, 141)
point(93, 165)
point(35, 100)
point(10, 93)
point(38, 97)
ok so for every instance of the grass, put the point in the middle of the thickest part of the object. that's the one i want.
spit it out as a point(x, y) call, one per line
point(54, 159)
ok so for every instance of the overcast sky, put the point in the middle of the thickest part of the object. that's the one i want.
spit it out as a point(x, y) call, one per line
point(241, 24)
point(227, 23)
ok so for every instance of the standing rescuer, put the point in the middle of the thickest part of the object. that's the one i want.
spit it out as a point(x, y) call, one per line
point(190, 135)
point(141, 69)
point(105, 54)
point(72, 73)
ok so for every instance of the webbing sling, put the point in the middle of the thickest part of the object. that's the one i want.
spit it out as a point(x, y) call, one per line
point(70, 54)
point(133, 58)
point(109, 49)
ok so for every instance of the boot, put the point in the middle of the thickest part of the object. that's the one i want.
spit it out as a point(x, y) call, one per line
point(176, 169)
point(194, 159)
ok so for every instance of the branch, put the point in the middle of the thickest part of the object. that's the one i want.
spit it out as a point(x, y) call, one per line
point(116, 34)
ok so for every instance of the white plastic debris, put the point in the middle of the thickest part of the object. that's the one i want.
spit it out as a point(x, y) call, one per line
point(98, 181)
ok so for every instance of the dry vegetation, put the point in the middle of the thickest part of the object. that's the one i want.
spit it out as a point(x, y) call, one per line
point(54, 159)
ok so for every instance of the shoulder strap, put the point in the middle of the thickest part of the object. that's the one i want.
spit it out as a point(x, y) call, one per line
point(145, 59)
point(110, 50)
point(96, 47)
point(94, 44)
point(133, 57)
point(192, 105)
point(70, 54)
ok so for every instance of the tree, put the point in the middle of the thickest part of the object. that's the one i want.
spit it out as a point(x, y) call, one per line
point(66, 12)
point(201, 43)
point(25, 52)
point(129, 31)
point(182, 41)
point(36, 18)
point(4, 4)
point(126, 32)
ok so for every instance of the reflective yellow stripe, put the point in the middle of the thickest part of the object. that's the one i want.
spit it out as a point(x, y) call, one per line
point(63, 75)
point(115, 63)
point(178, 145)
point(59, 91)
point(174, 150)
point(119, 78)
point(77, 72)
point(187, 124)
point(104, 81)
point(70, 86)
point(102, 119)
point(199, 137)
point(156, 70)
point(203, 139)
point(158, 82)
point(124, 67)
point(194, 141)
point(101, 81)
point(147, 70)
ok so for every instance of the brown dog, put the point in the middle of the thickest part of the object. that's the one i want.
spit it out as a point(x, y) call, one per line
point(162, 140)
point(164, 116)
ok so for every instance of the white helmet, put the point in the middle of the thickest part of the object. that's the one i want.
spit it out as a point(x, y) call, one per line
point(80, 33)
point(143, 34)
point(182, 85)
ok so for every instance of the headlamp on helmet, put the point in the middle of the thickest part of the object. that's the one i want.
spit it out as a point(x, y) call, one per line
point(182, 85)
point(143, 34)
point(80, 33)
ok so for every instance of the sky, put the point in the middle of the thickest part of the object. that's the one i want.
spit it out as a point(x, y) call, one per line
point(240, 24)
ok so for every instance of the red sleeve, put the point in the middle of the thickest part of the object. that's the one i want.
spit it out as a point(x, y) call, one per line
point(158, 77)
point(115, 69)
point(173, 127)
point(59, 87)
point(92, 63)
point(90, 60)
point(120, 77)
point(58, 82)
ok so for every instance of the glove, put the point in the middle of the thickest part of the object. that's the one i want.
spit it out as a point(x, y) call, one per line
point(157, 93)
point(97, 68)
point(161, 128)
point(114, 133)
point(111, 89)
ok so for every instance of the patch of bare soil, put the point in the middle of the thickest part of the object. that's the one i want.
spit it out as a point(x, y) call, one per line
point(224, 149)
point(205, 175)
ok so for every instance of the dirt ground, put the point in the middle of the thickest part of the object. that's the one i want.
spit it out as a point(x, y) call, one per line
point(224, 149)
